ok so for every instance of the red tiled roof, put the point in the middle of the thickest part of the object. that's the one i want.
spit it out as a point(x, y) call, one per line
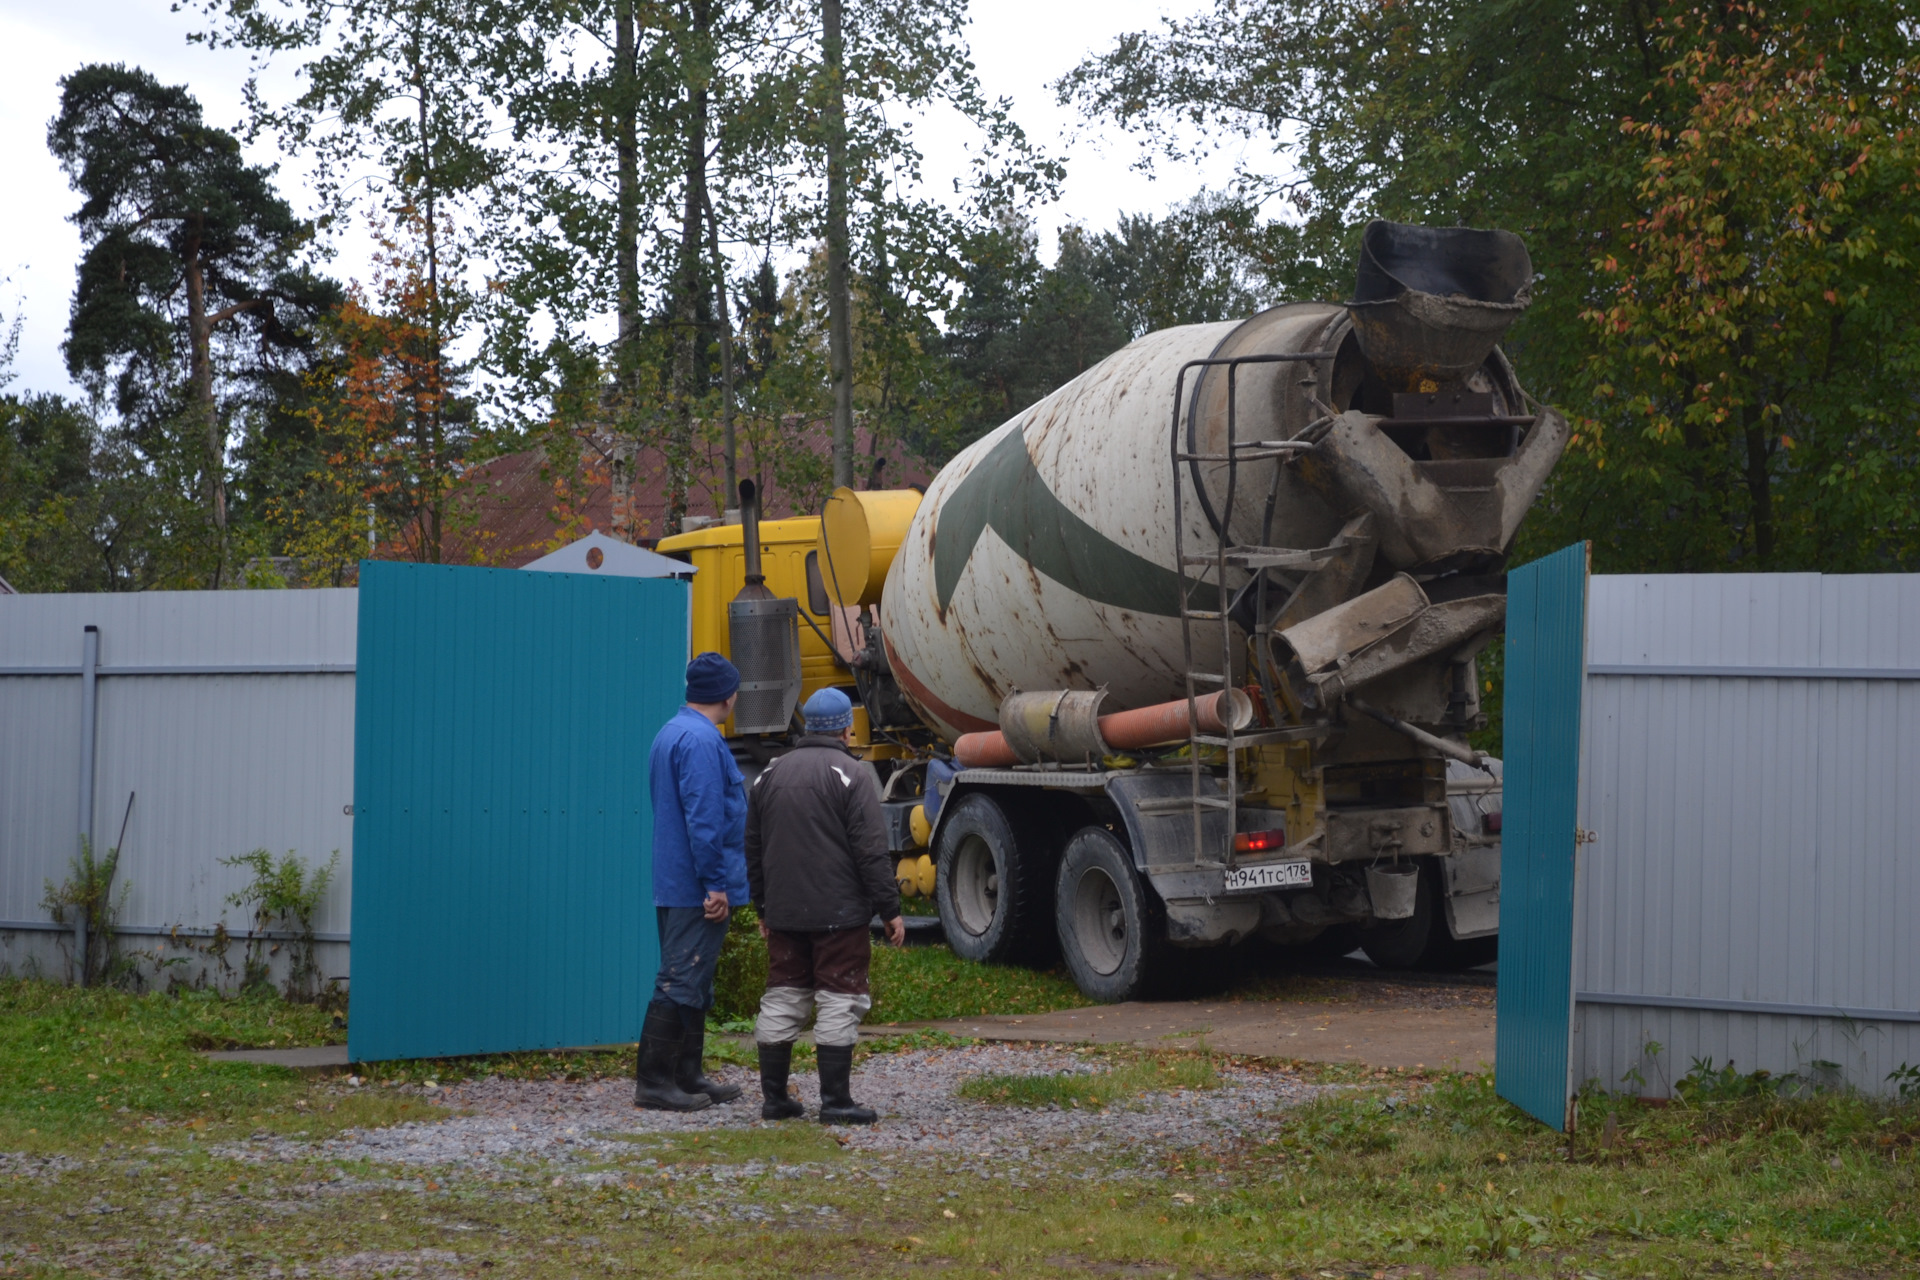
point(518, 507)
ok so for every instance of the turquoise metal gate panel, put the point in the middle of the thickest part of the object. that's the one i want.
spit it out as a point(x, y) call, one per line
point(1545, 679)
point(502, 891)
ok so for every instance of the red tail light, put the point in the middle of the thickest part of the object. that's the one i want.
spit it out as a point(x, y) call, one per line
point(1493, 823)
point(1258, 841)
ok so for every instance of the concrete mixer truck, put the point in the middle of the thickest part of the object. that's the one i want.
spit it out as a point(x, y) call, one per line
point(1184, 653)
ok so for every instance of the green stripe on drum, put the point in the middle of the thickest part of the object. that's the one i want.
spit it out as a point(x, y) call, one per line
point(1005, 492)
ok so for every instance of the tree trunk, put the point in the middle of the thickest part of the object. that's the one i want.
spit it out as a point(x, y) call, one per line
point(200, 381)
point(430, 399)
point(1759, 484)
point(880, 298)
point(626, 268)
point(731, 494)
point(626, 133)
point(686, 336)
point(839, 324)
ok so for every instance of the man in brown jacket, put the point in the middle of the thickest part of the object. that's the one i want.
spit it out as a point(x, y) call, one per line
point(818, 870)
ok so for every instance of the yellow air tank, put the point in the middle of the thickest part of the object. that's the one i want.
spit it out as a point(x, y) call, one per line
point(860, 532)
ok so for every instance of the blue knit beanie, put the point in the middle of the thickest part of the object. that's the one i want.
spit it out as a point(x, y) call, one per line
point(828, 711)
point(711, 678)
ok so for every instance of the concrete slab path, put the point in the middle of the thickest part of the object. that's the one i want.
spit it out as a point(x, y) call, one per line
point(1381, 1035)
point(313, 1058)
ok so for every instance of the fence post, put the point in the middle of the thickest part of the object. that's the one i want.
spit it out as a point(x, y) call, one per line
point(89, 671)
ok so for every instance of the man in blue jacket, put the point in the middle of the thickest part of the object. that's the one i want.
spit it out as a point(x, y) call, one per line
point(699, 876)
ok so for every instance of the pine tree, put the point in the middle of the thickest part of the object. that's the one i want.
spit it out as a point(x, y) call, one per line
point(189, 252)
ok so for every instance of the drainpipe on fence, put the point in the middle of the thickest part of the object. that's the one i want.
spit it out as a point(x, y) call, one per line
point(89, 672)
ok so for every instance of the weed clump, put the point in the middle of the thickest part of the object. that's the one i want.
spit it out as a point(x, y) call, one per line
point(285, 893)
point(88, 893)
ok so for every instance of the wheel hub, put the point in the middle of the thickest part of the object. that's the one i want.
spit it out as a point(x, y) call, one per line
point(1099, 921)
point(974, 885)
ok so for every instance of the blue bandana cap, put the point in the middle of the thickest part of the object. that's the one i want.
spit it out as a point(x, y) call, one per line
point(828, 711)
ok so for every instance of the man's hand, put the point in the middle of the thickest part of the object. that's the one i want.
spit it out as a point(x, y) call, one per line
point(897, 931)
point(715, 907)
point(765, 932)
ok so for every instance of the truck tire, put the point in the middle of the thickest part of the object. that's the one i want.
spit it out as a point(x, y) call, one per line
point(1111, 932)
point(1471, 953)
point(1418, 941)
point(1336, 942)
point(992, 886)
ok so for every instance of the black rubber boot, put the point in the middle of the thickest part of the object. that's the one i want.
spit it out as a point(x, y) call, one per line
point(654, 1086)
point(693, 1046)
point(776, 1062)
point(836, 1087)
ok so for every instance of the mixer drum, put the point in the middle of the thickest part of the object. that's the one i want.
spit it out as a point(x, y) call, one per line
point(1043, 556)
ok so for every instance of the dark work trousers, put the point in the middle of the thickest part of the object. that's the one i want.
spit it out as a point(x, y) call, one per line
point(827, 969)
point(689, 952)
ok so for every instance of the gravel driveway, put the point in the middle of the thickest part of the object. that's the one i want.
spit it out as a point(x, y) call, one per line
point(551, 1128)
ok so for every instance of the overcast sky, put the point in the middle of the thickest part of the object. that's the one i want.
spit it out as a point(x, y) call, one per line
point(1019, 46)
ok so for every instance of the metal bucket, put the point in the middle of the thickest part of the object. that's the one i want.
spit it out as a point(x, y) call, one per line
point(1394, 890)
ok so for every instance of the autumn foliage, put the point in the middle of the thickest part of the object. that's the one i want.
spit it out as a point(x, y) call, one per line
point(1754, 380)
point(387, 411)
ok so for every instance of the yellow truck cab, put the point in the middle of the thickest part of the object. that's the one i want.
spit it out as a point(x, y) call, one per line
point(800, 559)
point(790, 562)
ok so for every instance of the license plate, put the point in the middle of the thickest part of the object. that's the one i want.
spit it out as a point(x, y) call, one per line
point(1270, 875)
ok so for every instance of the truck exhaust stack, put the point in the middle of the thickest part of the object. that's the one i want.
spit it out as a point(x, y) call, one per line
point(763, 631)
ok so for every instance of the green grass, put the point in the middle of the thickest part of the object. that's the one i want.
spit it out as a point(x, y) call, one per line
point(886, 1039)
point(1409, 1178)
point(923, 984)
point(1388, 1173)
point(785, 1143)
point(87, 1064)
point(1450, 1173)
point(1111, 1087)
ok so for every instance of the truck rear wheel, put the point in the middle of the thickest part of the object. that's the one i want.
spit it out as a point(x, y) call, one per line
point(990, 884)
point(1471, 953)
point(1336, 942)
point(1111, 934)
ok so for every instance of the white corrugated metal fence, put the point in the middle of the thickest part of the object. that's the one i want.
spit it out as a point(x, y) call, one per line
point(1750, 790)
point(227, 715)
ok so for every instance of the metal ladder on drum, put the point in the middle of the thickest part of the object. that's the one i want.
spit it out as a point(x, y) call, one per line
point(1212, 566)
